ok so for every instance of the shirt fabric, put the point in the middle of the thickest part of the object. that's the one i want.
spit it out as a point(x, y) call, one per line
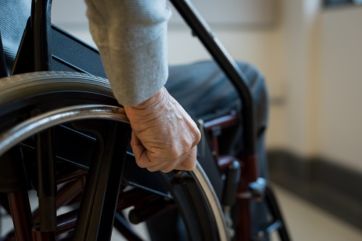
point(131, 36)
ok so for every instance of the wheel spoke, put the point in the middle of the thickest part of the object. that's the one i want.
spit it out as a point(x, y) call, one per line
point(153, 182)
point(21, 215)
point(121, 224)
point(104, 178)
point(46, 185)
point(67, 222)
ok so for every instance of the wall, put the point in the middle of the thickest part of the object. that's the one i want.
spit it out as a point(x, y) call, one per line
point(323, 62)
point(299, 30)
point(340, 111)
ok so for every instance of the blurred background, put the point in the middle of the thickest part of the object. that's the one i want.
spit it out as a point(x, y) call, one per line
point(311, 54)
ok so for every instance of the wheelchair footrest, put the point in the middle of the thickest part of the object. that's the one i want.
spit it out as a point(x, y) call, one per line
point(267, 230)
point(276, 225)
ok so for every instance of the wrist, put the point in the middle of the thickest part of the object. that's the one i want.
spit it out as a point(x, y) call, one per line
point(149, 104)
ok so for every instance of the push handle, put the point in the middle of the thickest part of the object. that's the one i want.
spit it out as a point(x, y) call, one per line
point(202, 31)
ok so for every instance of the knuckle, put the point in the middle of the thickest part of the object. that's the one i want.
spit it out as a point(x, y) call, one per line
point(188, 165)
point(197, 137)
point(152, 169)
point(168, 168)
point(174, 153)
point(142, 164)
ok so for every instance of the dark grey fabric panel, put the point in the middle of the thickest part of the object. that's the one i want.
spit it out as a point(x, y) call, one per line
point(13, 17)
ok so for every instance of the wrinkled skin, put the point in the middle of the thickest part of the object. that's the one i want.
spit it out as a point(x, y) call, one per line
point(164, 137)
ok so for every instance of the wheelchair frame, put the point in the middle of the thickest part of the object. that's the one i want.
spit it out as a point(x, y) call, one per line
point(38, 54)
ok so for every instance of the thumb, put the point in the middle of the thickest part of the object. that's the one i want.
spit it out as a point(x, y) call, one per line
point(139, 152)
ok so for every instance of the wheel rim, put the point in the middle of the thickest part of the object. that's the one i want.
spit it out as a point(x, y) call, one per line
point(81, 112)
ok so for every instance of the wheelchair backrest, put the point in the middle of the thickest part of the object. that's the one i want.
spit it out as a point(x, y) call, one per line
point(13, 17)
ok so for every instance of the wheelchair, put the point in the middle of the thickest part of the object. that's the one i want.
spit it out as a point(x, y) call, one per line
point(64, 137)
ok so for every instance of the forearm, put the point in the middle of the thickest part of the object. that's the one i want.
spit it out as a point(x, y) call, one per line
point(132, 38)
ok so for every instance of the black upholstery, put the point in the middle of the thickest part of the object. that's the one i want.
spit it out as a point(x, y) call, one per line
point(13, 17)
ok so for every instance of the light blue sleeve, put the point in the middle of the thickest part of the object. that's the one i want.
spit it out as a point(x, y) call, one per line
point(132, 38)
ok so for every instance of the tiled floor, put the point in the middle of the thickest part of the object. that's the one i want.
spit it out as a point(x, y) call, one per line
point(306, 222)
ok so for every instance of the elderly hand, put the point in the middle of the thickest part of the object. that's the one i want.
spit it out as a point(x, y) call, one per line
point(164, 136)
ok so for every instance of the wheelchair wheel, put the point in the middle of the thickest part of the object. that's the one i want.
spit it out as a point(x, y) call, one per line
point(62, 135)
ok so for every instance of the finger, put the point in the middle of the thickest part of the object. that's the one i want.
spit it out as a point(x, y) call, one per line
point(164, 166)
point(158, 167)
point(142, 158)
point(192, 127)
point(140, 152)
point(197, 136)
point(170, 166)
point(186, 163)
point(177, 163)
point(189, 162)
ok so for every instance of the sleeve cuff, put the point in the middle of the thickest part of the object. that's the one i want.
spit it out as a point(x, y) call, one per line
point(137, 74)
